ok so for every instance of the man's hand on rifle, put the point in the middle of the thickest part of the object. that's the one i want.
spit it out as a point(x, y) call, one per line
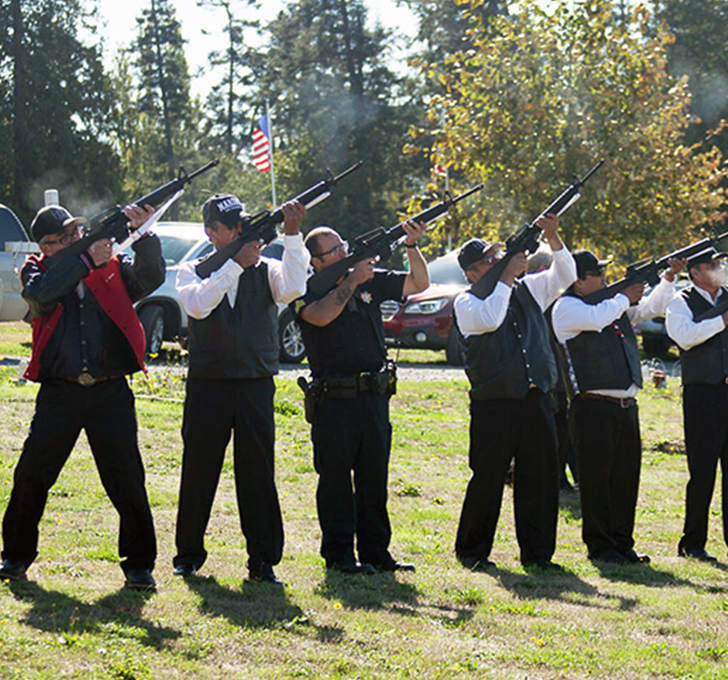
point(634, 292)
point(293, 213)
point(100, 252)
point(516, 266)
point(137, 216)
point(414, 231)
point(249, 254)
point(362, 271)
point(676, 265)
point(549, 224)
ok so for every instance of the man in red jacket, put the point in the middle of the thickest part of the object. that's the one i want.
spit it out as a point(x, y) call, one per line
point(86, 339)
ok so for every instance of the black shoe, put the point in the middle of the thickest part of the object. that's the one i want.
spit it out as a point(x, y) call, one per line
point(12, 571)
point(185, 570)
point(635, 558)
point(609, 556)
point(544, 565)
point(395, 566)
point(476, 563)
point(140, 579)
point(359, 568)
point(696, 554)
point(264, 574)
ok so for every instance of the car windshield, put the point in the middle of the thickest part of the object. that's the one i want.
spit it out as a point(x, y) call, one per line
point(445, 271)
point(174, 248)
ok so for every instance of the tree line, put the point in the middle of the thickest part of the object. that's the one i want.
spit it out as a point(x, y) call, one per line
point(515, 95)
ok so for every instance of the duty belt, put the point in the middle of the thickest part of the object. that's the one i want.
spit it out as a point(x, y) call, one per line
point(348, 386)
point(622, 402)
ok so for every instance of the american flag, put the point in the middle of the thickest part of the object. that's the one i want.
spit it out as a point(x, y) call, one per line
point(261, 144)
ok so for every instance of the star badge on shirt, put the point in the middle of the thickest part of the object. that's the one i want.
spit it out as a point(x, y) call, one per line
point(366, 297)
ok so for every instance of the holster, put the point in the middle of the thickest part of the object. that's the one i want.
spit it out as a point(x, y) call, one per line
point(311, 398)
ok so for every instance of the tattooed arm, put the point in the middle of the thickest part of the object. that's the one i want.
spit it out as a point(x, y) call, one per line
point(324, 311)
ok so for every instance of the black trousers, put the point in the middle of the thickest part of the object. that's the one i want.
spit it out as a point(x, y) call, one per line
point(705, 413)
point(501, 429)
point(566, 455)
point(213, 409)
point(353, 436)
point(106, 412)
point(609, 454)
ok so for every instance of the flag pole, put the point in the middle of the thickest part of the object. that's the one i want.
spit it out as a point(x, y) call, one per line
point(272, 168)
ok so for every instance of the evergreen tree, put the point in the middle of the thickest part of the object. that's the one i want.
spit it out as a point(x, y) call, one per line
point(336, 102)
point(228, 105)
point(54, 104)
point(700, 51)
point(165, 82)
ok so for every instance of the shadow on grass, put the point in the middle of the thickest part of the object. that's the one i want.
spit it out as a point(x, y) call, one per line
point(642, 574)
point(368, 592)
point(257, 605)
point(120, 613)
point(561, 587)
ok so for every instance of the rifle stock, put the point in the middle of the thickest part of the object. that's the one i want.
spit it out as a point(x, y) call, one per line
point(526, 239)
point(112, 223)
point(263, 225)
point(379, 243)
point(648, 271)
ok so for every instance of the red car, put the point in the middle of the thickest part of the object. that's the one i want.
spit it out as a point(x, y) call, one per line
point(425, 320)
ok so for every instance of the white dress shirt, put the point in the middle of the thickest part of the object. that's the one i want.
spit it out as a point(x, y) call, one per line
point(681, 327)
point(475, 316)
point(286, 278)
point(572, 316)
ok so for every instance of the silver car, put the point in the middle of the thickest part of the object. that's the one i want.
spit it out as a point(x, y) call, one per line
point(161, 313)
point(14, 247)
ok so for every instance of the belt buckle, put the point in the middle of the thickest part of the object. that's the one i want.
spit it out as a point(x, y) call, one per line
point(86, 379)
point(624, 402)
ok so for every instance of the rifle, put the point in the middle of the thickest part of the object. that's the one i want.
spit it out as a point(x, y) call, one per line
point(526, 239)
point(262, 227)
point(112, 223)
point(379, 243)
point(648, 270)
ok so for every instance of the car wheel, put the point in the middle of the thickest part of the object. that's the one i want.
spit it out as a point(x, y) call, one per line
point(289, 333)
point(152, 319)
point(454, 350)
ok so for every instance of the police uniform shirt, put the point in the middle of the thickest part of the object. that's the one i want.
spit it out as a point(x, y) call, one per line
point(354, 341)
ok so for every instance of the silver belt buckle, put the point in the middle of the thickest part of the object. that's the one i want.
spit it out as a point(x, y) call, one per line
point(86, 379)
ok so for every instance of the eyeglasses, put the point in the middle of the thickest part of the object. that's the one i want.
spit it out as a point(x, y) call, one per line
point(489, 260)
point(344, 245)
point(65, 238)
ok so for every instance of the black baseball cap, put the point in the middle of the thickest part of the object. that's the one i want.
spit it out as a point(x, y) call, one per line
point(52, 219)
point(472, 251)
point(224, 208)
point(586, 261)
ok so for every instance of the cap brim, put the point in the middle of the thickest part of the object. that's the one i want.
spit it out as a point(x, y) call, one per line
point(603, 263)
point(73, 221)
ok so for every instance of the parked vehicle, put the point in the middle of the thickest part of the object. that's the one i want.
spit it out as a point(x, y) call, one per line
point(161, 313)
point(15, 244)
point(425, 320)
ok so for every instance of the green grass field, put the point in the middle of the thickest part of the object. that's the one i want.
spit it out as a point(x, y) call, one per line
point(73, 620)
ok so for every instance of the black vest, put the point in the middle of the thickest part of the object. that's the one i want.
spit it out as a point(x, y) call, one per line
point(605, 360)
point(505, 363)
point(706, 363)
point(240, 341)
